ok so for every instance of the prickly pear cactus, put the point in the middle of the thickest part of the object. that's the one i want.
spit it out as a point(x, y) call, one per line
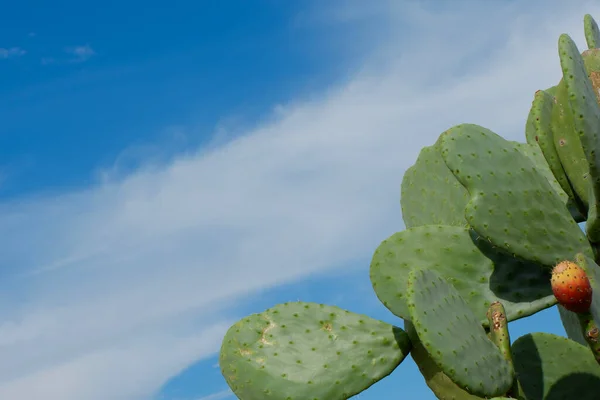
point(309, 351)
point(492, 235)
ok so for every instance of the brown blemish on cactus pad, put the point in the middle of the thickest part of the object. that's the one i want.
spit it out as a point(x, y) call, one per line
point(245, 352)
point(327, 327)
point(592, 334)
point(595, 79)
point(498, 319)
point(263, 336)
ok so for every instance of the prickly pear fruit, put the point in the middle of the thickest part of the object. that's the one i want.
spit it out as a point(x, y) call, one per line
point(571, 287)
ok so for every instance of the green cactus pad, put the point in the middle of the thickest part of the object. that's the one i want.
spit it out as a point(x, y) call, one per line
point(439, 383)
point(453, 336)
point(539, 162)
point(309, 351)
point(592, 34)
point(551, 90)
point(430, 193)
point(551, 367)
point(539, 132)
point(586, 121)
point(592, 225)
point(512, 204)
point(568, 145)
point(481, 274)
point(591, 60)
point(535, 155)
point(592, 270)
point(571, 324)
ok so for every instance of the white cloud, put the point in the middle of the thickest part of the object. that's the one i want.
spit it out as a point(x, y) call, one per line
point(141, 360)
point(122, 285)
point(11, 52)
point(81, 53)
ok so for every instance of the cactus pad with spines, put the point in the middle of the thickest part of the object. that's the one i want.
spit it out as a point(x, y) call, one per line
point(586, 121)
point(536, 157)
point(592, 33)
point(512, 204)
point(539, 132)
point(534, 154)
point(300, 351)
point(592, 270)
point(430, 194)
point(591, 61)
point(454, 337)
point(568, 145)
point(480, 273)
point(439, 383)
point(551, 367)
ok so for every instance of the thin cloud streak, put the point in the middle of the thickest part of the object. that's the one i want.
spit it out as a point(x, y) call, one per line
point(126, 270)
point(225, 394)
point(81, 53)
point(12, 52)
point(78, 54)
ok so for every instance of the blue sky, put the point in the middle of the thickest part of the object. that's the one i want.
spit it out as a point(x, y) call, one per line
point(167, 168)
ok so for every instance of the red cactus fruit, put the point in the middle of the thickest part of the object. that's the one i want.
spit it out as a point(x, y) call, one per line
point(571, 287)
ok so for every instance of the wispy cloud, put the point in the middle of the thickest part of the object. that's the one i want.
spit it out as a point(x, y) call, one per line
point(80, 53)
point(135, 274)
point(76, 54)
point(12, 52)
point(225, 394)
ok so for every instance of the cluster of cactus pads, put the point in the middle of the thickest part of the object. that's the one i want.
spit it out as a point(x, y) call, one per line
point(492, 235)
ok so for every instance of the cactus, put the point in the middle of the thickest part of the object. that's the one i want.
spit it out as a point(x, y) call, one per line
point(487, 222)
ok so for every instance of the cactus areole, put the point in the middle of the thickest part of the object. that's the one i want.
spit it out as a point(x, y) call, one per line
point(571, 287)
point(490, 224)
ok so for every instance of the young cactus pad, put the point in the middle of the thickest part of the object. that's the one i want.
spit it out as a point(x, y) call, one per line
point(592, 33)
point(300, 351)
